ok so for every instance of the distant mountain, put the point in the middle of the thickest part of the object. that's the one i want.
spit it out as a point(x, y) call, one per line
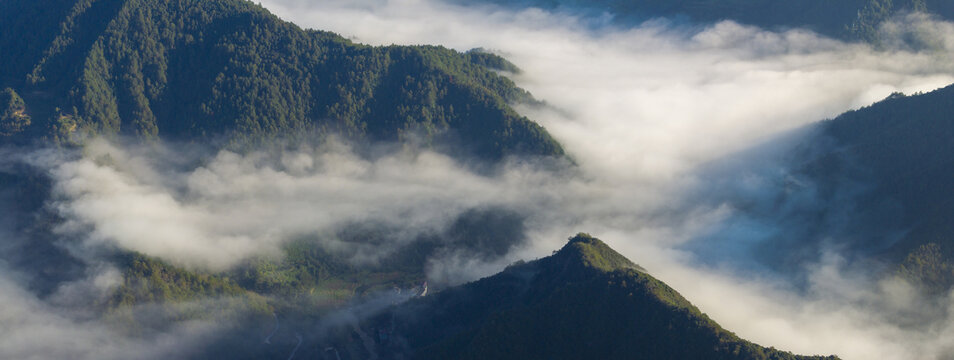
point(872, 186)
point(586, 301)
point(845, 19)
point(229, 70)
point(899, 154)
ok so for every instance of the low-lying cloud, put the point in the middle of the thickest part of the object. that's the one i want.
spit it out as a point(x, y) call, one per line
point(233, 207)
point(646, 112)
point(658, 98)
point(645, 109)
point(65, 326)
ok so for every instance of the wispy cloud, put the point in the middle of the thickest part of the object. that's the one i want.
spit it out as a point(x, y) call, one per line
point(642, 110)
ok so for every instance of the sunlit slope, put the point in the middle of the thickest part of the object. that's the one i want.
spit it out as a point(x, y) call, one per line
point(228, 70)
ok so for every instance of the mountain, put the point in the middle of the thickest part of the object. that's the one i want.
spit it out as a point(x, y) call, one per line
point(586, 301)
point(900, 150)
point(871, 186)
point(229, 71)
point(845, 19)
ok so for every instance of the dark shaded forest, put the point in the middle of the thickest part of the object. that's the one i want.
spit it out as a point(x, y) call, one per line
point(584, 301)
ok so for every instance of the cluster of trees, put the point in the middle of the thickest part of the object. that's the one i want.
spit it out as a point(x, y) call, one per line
point(183, 295)
point(929, 268)
point(147, 279)
point(13, 116)
point(200, 70)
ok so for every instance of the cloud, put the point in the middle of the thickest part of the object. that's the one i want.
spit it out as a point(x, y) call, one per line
point(66, 328)
point(658, 98)
point(647, 112)
point(233, 207)
point(913, 31)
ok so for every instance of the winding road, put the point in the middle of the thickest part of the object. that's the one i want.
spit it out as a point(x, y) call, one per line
point(268, 340)
point(368, 343)
point(297, 335)
point(337, 356)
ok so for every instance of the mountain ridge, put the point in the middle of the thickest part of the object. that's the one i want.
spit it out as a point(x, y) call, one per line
point(903, 149)
point(204, 70)
point(563, 306)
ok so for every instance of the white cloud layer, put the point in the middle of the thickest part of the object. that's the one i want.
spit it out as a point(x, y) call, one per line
point(640, 109)
point(46, 329)
point(657, 99)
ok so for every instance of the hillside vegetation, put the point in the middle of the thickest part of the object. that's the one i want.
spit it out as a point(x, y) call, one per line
point(229, 71)
point(902, 146)
point(585, 302)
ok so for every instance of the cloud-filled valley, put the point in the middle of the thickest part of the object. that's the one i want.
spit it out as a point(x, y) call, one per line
point(676, 133)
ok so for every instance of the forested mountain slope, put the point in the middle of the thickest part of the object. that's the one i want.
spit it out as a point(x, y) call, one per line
point(585, 301)
point(902, 148)
point(227, 69)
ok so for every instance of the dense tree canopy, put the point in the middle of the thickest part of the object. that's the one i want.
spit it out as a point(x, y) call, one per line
point(193, 70)
point(904, 144)
point(585, 301)
point(13, 118)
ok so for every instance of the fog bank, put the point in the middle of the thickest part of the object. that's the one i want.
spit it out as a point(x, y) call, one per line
point(649, 114)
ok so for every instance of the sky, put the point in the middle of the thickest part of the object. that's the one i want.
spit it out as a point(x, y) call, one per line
point(646, 112)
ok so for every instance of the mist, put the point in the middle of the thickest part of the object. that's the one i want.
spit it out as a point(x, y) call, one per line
point(652, 113)
point(65, 325)
point(668, 124)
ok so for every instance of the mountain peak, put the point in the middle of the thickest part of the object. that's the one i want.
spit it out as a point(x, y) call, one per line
point(593, 253)
point(586, 301)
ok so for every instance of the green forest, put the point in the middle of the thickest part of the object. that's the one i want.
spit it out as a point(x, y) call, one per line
point(584, 301)
point(230, 72)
